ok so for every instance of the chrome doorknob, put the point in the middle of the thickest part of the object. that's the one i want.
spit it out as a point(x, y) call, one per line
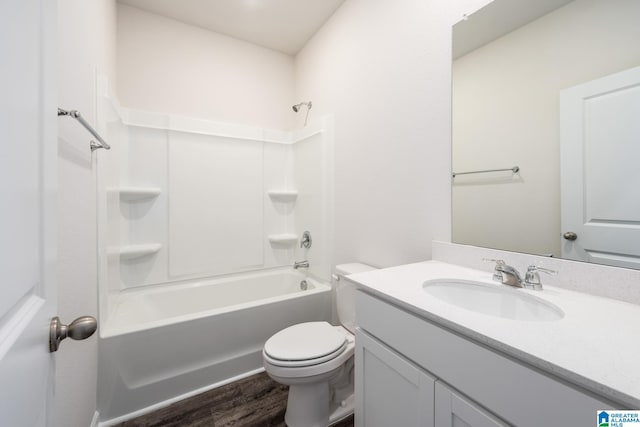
point(80, 329)
point(570, 235)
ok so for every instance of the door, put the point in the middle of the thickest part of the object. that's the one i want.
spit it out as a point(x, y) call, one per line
point(600, 179)
point(389, 390)
point(453, 410)
point(27, 210)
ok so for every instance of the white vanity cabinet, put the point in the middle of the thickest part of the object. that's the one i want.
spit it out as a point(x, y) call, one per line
point(413, 372)
point(390, 390)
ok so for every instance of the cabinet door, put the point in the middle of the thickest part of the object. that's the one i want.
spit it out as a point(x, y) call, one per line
point(390, 390)
point(453, 410)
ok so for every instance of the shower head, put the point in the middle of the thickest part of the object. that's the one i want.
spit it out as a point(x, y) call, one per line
point(296, 107)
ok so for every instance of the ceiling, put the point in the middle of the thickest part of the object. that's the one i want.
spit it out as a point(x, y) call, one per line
point(282, 25)
point(497, 19)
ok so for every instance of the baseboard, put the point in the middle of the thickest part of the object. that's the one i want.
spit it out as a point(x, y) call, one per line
point(95, 420)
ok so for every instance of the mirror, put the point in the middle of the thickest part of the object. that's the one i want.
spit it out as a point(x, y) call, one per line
point(550, 87)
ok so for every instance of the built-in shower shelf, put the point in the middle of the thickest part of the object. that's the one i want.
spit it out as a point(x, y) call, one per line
point(283, 195)
point(283, 239)
point(138, 193)
point(138, 251)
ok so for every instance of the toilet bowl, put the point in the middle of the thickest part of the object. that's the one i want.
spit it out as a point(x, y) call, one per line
point(315, 359)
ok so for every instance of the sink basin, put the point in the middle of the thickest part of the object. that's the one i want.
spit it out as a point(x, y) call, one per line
point(498, 301)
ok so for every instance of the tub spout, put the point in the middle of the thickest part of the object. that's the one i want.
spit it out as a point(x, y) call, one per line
point(300, 264)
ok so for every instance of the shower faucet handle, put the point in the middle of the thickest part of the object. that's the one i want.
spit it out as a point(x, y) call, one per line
point(306, 241)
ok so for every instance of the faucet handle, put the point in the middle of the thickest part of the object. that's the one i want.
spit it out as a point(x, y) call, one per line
point(532, 278)
point(305, 241)
point(497, 275)
point(544, 270)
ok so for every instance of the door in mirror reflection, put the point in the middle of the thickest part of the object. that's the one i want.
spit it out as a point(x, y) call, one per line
point(600, 151)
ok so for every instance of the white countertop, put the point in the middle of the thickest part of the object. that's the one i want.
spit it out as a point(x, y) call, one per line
point(596, 345)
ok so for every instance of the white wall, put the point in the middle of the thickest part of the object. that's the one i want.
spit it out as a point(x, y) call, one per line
point(383, 69)
point(506, 113)
point(86, 42)
point(170, 67)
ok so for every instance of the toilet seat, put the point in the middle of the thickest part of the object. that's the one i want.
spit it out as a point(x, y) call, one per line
point(313, 370)
point(305, 344)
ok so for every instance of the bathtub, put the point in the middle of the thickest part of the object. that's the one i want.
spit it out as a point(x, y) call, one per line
point(169, 342)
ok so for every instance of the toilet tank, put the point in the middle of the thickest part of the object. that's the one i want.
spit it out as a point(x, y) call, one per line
point(345, 293)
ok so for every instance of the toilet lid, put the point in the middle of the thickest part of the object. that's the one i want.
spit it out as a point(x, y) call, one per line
point(305, 341)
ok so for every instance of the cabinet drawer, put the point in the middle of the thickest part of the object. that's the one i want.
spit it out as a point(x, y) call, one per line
point(518, 393)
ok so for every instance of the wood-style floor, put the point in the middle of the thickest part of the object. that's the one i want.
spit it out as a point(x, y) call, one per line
point(257, 401)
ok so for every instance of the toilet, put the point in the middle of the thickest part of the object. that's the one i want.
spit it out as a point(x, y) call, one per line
point(315, 359)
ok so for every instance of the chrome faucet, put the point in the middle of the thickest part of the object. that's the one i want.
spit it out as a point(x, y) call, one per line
point(506, 274)
point(300, 264)
point(509, 275)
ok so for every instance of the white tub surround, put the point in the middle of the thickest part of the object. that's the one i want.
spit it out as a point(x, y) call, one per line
point(595, 346)
point(182, 198)
point(161, 344)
